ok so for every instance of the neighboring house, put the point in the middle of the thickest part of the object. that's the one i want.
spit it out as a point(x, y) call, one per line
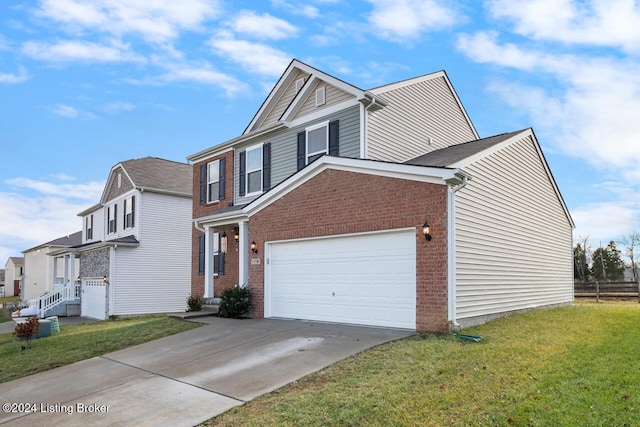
point(379, 207)
point(135, 255)
point(2, 290)
point(42, 273)
point(13, 271)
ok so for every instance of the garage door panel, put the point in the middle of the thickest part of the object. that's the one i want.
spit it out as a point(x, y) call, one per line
point(359, 279)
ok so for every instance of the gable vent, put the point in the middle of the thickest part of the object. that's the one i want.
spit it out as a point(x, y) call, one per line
point(320, 98)
point(299, 84)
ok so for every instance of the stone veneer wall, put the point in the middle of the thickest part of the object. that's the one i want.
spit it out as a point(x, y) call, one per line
point(95, 263)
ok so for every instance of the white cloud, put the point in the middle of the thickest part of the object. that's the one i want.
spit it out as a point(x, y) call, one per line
point(39, 211)
point(406, 20)
point(155, 21)
point(263, 26)
point(201, 73)
point(306, 10)
point(614, 23)
point(7, 78)
point(76, 50)
point(592, 114)
point(69, 112)
point(255, 57)
point(605, 221)
point(87, 192)
point(117, 107)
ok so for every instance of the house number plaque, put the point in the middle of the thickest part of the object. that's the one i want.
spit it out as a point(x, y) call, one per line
point(255, 261)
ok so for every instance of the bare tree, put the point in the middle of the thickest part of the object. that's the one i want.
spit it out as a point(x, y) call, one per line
point(631, 242)
point(582, 255)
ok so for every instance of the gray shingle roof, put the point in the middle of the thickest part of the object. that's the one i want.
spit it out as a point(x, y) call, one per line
point(64, 241)
point(455, 153)
point(160, 174)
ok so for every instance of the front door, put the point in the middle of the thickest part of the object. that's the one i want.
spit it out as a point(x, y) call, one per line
point(16, 287)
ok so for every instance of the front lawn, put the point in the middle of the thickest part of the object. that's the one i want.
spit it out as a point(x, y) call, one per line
point(83, 341)
point(568, 366)
point(3, 301)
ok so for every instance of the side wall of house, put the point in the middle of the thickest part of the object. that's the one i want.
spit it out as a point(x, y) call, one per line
point(325, 206)
point(401, 130)
point(155, 277)
point(284, 147)
point(34, 283)
point(514, 240)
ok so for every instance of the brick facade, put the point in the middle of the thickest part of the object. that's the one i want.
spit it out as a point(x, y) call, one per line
point(338, 202)
point(230, 278)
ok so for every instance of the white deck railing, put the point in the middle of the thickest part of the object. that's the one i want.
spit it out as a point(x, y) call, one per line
point(46, 302)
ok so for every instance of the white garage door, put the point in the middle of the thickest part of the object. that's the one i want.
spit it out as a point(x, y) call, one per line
point(366, 279)
point(93, 302)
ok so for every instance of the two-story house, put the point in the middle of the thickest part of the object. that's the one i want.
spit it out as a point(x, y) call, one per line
point(42, 272)
point(135, 255)
point(378, 207)
point(13, 272)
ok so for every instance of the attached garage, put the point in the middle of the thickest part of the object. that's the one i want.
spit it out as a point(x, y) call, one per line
point(94, 298)
point(365, 278)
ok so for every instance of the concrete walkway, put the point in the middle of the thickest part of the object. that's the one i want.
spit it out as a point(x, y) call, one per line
point(186, 378)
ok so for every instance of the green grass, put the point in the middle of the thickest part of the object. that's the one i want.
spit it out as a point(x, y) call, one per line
point(83, 341)
point(5, 300)
point(568, 366)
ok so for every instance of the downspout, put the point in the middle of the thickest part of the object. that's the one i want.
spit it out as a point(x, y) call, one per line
point(451, 226)
point(365, 126)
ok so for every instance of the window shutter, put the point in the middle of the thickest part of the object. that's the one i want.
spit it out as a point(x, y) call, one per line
point(124, 215)
point(221, 263)
point(108, 220)
point(266, 166)
point(203, 184)
point(334, 145)
point(133, 211)
point(201, 255)
point(243, 170)
point(115, 218)
point(221, 182)
point(301, 150)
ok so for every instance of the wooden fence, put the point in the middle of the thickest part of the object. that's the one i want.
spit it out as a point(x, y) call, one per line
point(607, 290)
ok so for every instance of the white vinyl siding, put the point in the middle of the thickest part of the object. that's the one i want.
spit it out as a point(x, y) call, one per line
point(98, 231)
point(332, 96)
point(155, 276)
point(121, 230)
point(283, 147)
point(284, 101)
point(416, 113)
point(513, 238)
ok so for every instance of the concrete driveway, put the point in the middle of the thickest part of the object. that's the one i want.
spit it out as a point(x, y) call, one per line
point(187, 378)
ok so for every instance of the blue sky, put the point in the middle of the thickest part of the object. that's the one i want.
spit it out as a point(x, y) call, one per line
point(86, 84)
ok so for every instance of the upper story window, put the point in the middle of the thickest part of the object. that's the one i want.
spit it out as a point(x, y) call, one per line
point(129, 212)
point(254, 170)
point(88, 220)
point(112, 219)
point(317, 141)
point(212, 181)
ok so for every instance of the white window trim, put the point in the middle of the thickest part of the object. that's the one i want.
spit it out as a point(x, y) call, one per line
point(210, 181)
point(247, 171)
point(306, 142)
point(128, 211)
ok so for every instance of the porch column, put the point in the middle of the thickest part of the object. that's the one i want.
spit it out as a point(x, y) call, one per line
point(208, 262)
point(55, 270)
point(66, 270)
point(243, 257)
point(72, 279)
